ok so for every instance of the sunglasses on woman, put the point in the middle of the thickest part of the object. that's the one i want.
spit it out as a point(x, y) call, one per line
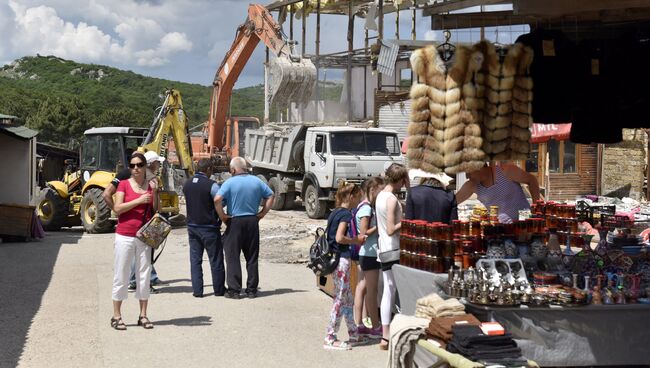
point(139, 164)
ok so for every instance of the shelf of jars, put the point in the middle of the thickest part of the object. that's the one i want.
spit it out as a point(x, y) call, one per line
point(539, 260)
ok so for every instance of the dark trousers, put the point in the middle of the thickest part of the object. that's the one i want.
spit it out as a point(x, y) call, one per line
point(242, 235)
point(208, 239)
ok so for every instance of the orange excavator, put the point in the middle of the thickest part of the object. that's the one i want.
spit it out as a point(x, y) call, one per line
point(290, 78)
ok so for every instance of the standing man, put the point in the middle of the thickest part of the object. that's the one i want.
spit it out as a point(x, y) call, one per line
point(243, 193)
point(203, 229)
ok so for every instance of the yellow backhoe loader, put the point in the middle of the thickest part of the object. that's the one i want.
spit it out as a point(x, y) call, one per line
point(77, 199)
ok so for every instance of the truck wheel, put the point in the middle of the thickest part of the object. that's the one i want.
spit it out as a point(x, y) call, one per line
point(315, 208)
point(52, 209)
point(278, 198)
point(289, 201)
point(95, 214)
point(263, 178)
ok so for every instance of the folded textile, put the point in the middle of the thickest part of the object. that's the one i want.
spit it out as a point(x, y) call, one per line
point(506, 362)
point(441, 327)
point(471, 342)
point(433, 305)
point(404, 333)
point(496, 353)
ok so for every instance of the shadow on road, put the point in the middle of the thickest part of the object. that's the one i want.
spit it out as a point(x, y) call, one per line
point(264, 293)
point(188, 321)
point(25, 273)
point(175, 289)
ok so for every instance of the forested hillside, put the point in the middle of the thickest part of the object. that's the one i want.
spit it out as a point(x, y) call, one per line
point(62, 98)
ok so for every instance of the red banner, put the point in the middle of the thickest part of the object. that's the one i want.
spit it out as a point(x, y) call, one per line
point(544, 132)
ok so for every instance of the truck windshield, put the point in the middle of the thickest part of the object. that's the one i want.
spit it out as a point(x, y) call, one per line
point(365, 144)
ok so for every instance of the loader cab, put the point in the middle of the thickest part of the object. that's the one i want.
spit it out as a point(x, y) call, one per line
point(104, 149)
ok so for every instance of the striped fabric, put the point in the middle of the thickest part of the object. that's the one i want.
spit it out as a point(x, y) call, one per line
point(506, 194)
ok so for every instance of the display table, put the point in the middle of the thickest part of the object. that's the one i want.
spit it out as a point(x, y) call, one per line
point(553, 336)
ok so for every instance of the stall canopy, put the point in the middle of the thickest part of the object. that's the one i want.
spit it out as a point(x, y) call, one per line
point(544, 132)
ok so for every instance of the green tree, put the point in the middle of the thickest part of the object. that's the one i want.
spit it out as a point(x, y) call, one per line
point(122, 116)
point(59, 120)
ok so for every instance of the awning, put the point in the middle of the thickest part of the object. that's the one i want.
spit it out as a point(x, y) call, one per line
point(544, 132)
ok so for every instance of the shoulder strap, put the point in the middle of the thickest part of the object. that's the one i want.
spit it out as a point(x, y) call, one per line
point(153, 260)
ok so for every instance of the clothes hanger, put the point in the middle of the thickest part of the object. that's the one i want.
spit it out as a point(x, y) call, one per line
point(446, 49)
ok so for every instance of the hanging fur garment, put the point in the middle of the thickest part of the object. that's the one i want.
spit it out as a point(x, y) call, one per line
point(500, 81)
point(418, 125)
point(471, 115)
point(452, 139)
point(522, 107)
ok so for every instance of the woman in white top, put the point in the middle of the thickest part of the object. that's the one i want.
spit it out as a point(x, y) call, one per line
point(389, 216)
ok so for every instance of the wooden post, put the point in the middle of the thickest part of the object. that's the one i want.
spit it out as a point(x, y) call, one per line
point(350, 50)
point(291, 22)
point(304, 27)
point(413, 24)
point(380, 36)
point(396, 22)
point(317, 95)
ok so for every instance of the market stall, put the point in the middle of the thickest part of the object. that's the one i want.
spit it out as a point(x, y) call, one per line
point(576, 304)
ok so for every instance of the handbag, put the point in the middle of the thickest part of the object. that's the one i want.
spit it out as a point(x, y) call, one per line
point(155, 231)
point(389, 256)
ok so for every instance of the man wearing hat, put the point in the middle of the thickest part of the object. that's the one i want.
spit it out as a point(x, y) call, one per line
point(431, 201)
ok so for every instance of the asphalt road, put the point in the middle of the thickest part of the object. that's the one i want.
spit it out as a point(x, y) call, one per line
point(55, 303)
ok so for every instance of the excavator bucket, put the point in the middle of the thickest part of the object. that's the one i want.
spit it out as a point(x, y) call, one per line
point(290, 81)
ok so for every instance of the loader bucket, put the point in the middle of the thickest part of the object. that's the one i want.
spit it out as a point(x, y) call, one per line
point(291, 81)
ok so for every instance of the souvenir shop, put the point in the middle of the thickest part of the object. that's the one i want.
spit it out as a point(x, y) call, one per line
point(568, 283)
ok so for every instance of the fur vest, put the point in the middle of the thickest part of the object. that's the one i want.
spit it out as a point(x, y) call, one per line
point(508, 92)
point(443, 128)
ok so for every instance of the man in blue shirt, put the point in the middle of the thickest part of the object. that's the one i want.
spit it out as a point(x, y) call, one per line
point(203, 228)
point(243, 193)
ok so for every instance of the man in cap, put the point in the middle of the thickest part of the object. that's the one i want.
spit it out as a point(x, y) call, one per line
point(431, 201)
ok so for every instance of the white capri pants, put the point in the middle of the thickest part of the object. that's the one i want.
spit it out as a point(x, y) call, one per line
point(127, 249)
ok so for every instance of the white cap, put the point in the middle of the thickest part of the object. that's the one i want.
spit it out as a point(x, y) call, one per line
point(441, 177)
point(152, 156)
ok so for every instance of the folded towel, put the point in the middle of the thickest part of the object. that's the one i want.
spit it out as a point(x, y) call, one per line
point(433, 305)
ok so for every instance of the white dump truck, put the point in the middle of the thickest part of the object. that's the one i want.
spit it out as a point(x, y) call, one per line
point(310, 161)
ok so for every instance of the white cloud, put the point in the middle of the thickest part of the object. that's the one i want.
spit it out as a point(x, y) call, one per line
point(136, 40)
point(175, 41)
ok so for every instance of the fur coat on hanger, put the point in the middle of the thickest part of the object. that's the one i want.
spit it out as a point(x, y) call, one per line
point(508, 91)
point(444, 134)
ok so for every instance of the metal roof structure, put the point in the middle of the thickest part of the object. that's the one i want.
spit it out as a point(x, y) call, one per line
point(115, 130)
point(18, 131)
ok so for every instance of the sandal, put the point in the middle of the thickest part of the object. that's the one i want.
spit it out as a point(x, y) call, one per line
point(383, 346)
point(333, 344)
point(145, 322)
point(118, 324)
point(358, 340)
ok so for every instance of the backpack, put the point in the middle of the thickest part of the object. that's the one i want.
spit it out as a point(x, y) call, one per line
point(322, 259)
point(353, 231)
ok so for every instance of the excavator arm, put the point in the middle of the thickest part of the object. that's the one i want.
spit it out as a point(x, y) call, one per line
point(171, 121)
point(293, 72)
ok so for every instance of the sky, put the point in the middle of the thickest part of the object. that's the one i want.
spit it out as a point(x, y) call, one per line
point(180, 40)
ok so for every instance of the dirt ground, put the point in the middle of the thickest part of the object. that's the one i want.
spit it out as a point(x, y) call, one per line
point(55, 298)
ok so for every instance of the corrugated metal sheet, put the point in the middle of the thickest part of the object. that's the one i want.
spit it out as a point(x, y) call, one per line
point(395, 116)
